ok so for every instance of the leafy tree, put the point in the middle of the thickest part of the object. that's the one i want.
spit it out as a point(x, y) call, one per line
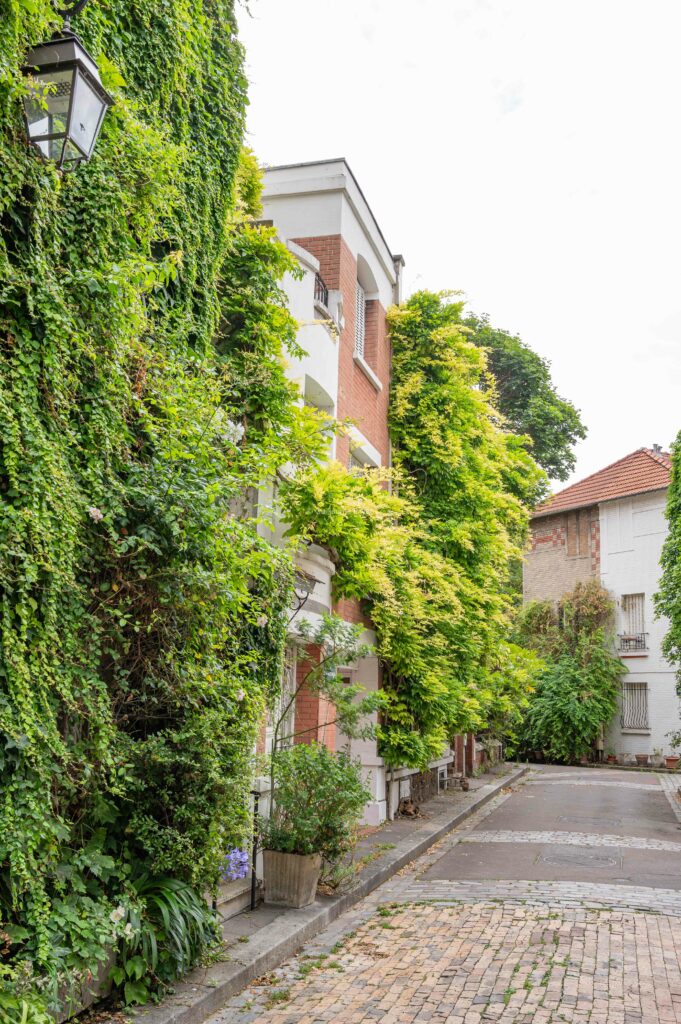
point(575, 697)
point(668, 598)
point(527, 397)
point(577, 690)
point(431, 559)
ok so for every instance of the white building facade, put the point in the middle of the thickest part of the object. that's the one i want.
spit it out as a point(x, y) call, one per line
point(612, 526)
point(349, 279)
point(633, 531)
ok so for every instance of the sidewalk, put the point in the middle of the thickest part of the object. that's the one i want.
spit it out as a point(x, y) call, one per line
point(258, 941)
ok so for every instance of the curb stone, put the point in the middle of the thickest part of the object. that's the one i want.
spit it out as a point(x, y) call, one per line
point(207, 989)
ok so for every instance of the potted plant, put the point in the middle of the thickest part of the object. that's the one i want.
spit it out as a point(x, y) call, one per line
point(641, 760)
point(657, 760)
point(672, 760)
point(610, 756)
point(319, 798)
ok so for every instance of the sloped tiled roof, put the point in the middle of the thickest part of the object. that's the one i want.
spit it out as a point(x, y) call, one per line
point(641, 471)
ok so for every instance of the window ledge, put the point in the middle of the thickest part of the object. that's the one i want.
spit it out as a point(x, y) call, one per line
point(635, 732)
point(633, 654)
point(367, 371)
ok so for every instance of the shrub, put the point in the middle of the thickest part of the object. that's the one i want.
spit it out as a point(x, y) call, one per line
point(319, 799)
point(576, 695)
point(166, 932)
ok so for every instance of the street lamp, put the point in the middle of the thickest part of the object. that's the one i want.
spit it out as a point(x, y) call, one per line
point(66, 102)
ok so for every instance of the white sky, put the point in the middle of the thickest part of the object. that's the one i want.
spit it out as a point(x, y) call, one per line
point(524, 151)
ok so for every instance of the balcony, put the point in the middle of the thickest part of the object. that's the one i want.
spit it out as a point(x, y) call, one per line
point(632, 643)
point(321, 292)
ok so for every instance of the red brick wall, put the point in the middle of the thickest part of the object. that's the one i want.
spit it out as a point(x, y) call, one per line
point(358, 399)
point(565, 548)
point(315, 716)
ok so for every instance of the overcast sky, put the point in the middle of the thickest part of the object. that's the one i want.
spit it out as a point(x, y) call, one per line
point(523, 151)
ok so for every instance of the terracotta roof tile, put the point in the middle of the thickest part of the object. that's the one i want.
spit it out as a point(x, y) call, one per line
point(641, 471)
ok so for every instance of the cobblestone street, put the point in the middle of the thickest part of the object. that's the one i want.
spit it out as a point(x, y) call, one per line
point(514, 917)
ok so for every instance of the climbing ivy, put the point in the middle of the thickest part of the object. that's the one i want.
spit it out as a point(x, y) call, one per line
point(668, 598)
point(143, 615)
point(431, 559)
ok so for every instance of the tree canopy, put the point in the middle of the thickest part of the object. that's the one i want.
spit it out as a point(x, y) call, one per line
point(430, 559)
point(527, 397)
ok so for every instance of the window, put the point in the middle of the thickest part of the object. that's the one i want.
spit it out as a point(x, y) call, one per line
point(635, 706)
point(360, 320)
point(632, 609)
point(355, 465)
point(633, 636)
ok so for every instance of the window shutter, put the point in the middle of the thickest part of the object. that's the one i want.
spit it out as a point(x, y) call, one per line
point(360, 320)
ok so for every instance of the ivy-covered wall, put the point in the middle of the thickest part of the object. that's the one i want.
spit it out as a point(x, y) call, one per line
point(143, 622)
point(668, 598)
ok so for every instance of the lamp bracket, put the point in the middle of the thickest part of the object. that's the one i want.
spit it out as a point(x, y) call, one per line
point(72, 11)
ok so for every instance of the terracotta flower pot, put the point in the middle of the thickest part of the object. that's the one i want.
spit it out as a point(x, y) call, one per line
point(291, 878)
point(612, 759)
point(641, 759)
point(671, 761)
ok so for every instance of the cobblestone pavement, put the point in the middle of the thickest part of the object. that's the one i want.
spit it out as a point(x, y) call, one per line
point(456, 950)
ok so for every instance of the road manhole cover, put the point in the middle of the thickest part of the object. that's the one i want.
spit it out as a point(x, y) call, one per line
point(576, 856)
point(582, 820)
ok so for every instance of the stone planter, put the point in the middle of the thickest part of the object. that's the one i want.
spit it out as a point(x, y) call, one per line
point(291, 878)
point(671, 761)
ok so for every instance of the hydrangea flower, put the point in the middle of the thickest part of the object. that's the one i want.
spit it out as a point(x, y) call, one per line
point(95, 514)
point(233, 432)
point(117, 915)
point(236, 865)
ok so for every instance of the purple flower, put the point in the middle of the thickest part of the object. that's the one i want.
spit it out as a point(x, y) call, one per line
point(236, 865)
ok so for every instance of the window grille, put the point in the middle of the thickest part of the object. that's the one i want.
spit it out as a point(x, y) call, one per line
point(633, 606)
point(360, 320)
point(634, 637)
point(635, 706)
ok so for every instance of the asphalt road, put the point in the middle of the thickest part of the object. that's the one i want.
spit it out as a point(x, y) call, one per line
point(592, 817)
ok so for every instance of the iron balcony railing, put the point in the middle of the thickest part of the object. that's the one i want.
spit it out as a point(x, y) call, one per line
point(632, 641)
point(321, 292)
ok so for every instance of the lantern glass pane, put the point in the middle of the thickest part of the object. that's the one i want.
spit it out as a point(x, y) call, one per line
point(52, 149)
point(86, 115)
point(72, 155)
point(47, 105)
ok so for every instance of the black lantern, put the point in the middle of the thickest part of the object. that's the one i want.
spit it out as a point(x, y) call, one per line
point(66, 102)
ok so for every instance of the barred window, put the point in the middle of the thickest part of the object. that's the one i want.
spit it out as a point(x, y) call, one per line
point(633, 613)
point(635, 706)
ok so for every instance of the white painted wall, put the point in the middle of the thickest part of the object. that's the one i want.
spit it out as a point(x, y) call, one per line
point(308, 200)
point(632, 534)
